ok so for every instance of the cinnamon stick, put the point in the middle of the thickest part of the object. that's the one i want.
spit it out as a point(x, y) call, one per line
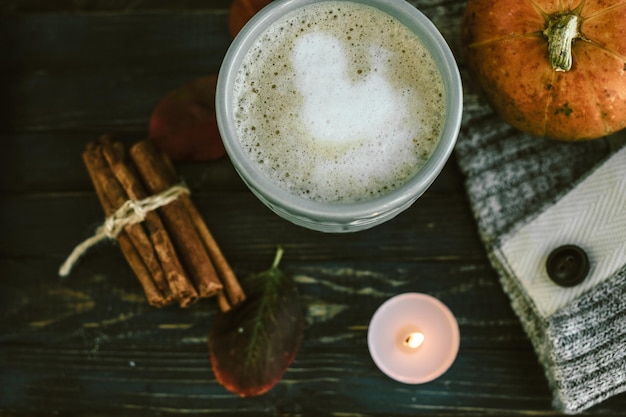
point(155, 175)
point(232, 288)
point(182, 289)
point(153, 294)
point(233, 292)
point(134, 243)
point(222, 302)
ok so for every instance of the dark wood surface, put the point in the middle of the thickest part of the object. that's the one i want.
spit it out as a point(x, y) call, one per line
point(90, 345)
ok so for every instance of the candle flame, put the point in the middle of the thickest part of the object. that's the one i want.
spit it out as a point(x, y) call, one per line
point(414, 340)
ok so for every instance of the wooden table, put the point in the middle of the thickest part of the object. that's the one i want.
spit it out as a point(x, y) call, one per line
point(90, 344)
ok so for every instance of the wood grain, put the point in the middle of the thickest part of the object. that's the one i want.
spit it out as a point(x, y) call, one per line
point(90, 345)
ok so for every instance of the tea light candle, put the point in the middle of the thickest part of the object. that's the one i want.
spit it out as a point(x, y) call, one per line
point(413, 338)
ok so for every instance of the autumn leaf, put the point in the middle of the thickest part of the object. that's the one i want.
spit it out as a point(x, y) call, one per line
point(252, 346)
point(183, 124)
point(241, 11)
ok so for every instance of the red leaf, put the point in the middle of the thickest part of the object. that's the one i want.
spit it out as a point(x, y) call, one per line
point(253, 345)
point(241, 11)
point(183, 123)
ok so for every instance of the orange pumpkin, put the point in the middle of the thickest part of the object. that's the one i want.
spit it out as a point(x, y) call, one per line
point(554, 68)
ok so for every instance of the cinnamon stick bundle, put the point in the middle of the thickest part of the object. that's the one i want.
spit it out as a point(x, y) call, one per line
point(134, 242)
point(168, 249)
point(233, 294)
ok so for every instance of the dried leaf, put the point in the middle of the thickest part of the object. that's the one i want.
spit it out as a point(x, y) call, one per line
point(253, 345)
point(184, 125)
point(241, 11)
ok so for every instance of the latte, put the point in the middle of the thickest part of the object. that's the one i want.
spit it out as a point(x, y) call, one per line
point(338, 102)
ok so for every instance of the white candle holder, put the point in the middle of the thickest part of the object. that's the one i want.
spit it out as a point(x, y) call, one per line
point(413, 338)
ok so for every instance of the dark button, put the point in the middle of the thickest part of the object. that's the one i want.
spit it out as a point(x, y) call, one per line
point(567, 265)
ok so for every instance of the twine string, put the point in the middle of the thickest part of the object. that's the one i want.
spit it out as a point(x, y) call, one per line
point(131, 212)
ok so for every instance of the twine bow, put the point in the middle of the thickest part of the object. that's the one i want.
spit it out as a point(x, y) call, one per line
point(131, 212)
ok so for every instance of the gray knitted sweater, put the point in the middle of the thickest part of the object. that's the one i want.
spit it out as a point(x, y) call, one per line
point(530, 195)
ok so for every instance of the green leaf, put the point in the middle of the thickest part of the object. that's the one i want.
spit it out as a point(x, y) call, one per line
point(252, 346)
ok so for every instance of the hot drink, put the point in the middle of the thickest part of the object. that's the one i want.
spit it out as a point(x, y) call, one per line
point(338, 115)
point(338, 102)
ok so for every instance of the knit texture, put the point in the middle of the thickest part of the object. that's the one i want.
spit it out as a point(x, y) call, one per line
point(511, 178)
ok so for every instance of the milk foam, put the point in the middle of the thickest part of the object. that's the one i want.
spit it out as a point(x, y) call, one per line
point(321, 68)
point(339, 102)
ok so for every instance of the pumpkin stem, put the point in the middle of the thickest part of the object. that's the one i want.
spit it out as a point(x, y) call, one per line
point(561, 31)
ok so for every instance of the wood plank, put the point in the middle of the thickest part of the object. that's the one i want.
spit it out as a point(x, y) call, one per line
point(105, 380)
point(98, 6)
point(102, 297)
point(437, 227)
point(42, 162)
point(112, 78)
point(69, 43)
point(92, 103)
point(39, 163)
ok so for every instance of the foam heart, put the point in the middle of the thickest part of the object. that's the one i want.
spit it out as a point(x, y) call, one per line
point(339, 104)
